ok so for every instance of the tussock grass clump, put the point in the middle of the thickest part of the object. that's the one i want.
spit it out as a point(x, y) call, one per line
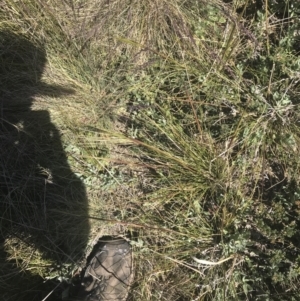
point(223, 146)
point(201, 101)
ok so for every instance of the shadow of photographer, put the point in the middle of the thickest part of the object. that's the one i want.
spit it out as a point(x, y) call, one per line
point(43, 204)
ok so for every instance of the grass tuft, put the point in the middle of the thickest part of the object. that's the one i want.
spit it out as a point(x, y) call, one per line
point(175, 123)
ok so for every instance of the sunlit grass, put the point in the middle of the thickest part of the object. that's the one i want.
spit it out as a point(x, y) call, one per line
point(180, 121)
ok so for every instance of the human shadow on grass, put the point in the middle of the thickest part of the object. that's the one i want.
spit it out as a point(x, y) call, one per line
point(43, 204)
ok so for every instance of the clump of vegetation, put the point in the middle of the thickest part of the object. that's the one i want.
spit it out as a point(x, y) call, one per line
point(191, 109)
